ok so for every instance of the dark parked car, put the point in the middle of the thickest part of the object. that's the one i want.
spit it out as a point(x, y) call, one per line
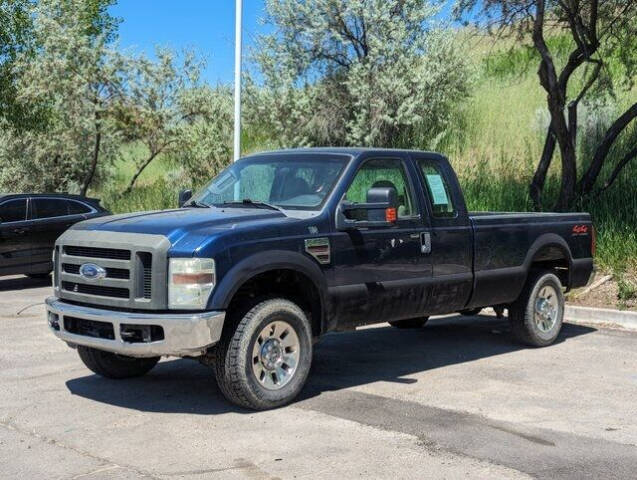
point(284, 247)
point(30, 224)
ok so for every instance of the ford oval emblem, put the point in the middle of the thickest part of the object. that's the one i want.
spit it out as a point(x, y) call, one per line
point(90, 271)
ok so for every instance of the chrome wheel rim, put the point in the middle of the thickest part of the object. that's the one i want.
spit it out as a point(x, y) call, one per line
point(275, 355)
point(546, 308)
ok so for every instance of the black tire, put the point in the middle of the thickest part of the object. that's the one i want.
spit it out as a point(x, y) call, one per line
point(233, 356)
point(525, 325)
point(410, 322)
point(470, 313)
point(111, 365)
point(38, 276)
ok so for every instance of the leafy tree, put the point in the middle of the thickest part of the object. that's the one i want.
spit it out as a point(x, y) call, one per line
point(205, 139)
point(598, 30)
point(357, 72)
point(171, 112)
point(16, 37)
point(165, 104)
point(78, 79)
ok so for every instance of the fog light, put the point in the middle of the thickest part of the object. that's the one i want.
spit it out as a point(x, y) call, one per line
point(141, 333)
point(54, 320)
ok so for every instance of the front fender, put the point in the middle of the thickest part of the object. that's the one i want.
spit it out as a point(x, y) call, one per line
point(263, 262)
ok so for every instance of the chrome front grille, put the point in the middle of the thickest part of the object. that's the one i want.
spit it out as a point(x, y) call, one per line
point(132, 274)
point(100, 290)
point(147, 273)
point(121, 273)
point(91, 252)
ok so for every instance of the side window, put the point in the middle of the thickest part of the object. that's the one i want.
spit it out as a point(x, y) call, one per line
point(438, 190)
point(13, 211)
point(383, 172)
point(77, 208)
point(49, 207)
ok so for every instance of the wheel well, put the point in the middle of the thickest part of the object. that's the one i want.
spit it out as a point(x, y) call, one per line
point(553, 257)
point(283, 283)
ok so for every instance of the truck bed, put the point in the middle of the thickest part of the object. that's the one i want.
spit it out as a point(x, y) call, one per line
point(506, 242)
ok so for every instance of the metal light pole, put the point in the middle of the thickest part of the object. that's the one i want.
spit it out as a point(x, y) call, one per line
point(237, 80)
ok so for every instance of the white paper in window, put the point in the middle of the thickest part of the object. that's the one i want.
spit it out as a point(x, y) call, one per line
point(437, 188)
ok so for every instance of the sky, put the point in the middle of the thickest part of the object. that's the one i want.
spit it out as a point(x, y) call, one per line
point(205, 26)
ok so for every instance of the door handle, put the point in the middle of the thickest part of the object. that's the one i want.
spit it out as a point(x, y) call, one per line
point(19, 231)
point(425, 243)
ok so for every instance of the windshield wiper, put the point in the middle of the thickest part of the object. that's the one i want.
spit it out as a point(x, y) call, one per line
point(246, 202)
point(197, 204)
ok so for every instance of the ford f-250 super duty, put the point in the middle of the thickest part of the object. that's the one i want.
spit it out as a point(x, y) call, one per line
point(283, 247)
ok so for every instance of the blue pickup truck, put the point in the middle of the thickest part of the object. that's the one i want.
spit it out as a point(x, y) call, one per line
point(283, 247)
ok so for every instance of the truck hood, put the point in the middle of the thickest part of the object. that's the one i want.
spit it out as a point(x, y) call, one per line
point(175, 223)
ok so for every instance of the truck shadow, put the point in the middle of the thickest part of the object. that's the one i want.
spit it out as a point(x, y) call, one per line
point(22, 283)
point(341, 360)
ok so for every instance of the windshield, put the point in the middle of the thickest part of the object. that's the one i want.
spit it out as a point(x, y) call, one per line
point(301, 183)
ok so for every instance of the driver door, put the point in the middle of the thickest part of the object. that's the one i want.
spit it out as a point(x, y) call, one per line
point(381, 274)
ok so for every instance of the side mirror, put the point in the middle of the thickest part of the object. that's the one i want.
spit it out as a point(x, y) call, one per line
point(184, 196)
point(380, 210)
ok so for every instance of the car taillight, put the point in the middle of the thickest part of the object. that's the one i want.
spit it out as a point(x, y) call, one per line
point(593, 240)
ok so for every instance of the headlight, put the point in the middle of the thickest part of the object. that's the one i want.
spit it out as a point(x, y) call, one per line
point(190, 281)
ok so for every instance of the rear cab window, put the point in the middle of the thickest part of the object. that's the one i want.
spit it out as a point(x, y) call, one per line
point(437, 188)
point(13, 211)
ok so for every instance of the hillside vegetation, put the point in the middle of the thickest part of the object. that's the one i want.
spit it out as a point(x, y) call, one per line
point(494, 143)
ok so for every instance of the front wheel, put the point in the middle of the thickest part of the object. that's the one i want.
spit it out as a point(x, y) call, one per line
point(264, 361)
point(536, 316)
point(112, 365)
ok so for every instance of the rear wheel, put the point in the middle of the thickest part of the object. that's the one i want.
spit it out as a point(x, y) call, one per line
point(264, 361)
point(112, 365)
point(410, 322)
point(536, 316)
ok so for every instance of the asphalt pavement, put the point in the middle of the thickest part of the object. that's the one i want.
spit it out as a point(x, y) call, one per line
point(456, 399)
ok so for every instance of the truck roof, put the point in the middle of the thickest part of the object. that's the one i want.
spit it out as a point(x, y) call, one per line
point(352, 151)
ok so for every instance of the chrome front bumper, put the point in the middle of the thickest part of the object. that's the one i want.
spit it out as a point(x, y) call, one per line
point(185, 334)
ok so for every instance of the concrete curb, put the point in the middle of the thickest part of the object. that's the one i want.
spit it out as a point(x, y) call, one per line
point(604, 317)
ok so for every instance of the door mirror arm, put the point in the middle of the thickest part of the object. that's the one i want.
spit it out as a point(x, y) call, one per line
point(344, 224)
point(381, 208)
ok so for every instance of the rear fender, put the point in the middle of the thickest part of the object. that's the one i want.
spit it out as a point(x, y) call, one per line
point(548, 240)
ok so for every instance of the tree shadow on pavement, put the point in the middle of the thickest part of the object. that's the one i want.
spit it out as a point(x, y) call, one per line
point(341, 360)
point(21, 283)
